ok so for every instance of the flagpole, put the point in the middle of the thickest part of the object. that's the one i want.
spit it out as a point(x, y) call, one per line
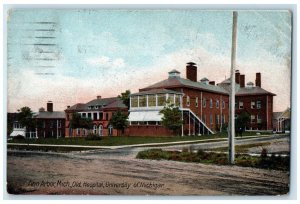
point(232, 91)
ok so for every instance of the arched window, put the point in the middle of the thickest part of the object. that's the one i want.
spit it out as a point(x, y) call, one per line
point(110, 130)
point(100, 130)
point(217, 104)
point(95, 129)
point(204, 102)
point(210, 103)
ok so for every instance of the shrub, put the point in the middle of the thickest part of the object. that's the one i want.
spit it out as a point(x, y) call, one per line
point(92, 136)
point(19, 137)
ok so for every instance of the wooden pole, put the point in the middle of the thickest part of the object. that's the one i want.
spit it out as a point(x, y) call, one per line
point(232, 91)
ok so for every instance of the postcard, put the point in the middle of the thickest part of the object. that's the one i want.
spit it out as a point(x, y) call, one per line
point(148, 102)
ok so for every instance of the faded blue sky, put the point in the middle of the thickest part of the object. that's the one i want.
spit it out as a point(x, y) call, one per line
point(70, 56)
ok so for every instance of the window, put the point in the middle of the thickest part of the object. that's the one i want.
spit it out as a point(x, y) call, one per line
point(134, 101)
point(78, 131)
point(59, 123)
point(142, 101)
point(204, 102)
point(252, 104)
point(187, 101)
point(258, 118)
point(83, 131)
point(171, 98)
point(89, 115)
point(161, 99)
point(95, 129)
point(177, 100)
point(51, 124)
point(252, 118)
point(217, 104)
point(101, 116)
point(151, 100)
point(210, 103)
point(241, 105)
point(223, 104)
point(84, 115)
point(196, 102)
point(95, 115)
point(211, 119)
point(218, 119)
point(258, 104)
point(100, 130)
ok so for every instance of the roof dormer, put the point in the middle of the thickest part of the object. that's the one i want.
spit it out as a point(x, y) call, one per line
point(174, 73)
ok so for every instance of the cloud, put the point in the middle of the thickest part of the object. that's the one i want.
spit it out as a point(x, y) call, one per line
point(106, 62)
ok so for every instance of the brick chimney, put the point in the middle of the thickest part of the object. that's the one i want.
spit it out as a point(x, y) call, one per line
point(242, 80)
point(191, 71)
point(98, 97)
point(237, 76)
point(50, 106)
point(212, 83)
point(258, 80)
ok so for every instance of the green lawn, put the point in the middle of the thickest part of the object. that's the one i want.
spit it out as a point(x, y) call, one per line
point(120, 140)
point(114, 141)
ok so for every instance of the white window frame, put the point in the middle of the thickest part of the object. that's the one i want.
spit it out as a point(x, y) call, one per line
point(258, 104)
point(241, 105)
point(211, 104)
point(252, 119)
point(253, 104)
point(188, 102)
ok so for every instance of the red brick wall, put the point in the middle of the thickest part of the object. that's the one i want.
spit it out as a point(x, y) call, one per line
point(149, 130)
point(267, 123)
point(207, 111)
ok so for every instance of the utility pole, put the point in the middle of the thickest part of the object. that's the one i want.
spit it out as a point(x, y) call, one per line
point(231, 135)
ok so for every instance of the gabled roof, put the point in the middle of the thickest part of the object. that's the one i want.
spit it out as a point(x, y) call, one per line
point(180, 82)
point(50, 115)
point(103, 103)
point(155, 91)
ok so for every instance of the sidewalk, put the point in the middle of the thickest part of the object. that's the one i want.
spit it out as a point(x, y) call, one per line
point(148, 144)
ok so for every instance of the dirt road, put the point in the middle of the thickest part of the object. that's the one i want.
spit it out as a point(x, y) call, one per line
point(119, 173)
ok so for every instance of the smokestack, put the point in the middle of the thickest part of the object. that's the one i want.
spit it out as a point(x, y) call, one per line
point(242, 80)
point(212, 83)
point(191, 71)
point(258, 80)
point(98, 97)
point(50, 106)
point(237, 76)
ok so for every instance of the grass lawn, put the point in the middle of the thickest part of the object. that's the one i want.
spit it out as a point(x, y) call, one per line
point(121, 140)
point(265, 162)
point(114, 141)
point(241, 148)
point(47, 149)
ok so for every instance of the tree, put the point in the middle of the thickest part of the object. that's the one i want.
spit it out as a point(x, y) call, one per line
point(241, 122)
point(125, 97)
point(171, 117)
point(78, 122)
point(24, 117)
point(119, 121)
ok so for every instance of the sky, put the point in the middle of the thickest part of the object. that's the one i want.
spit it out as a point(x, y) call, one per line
point(70, 56)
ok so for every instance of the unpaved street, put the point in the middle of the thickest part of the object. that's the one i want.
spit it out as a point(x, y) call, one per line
point(119, 173)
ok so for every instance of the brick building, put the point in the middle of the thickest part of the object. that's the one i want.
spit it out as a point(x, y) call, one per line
point(100, 110)
point(254, 100)
point(204, 104)
point(50, 123)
